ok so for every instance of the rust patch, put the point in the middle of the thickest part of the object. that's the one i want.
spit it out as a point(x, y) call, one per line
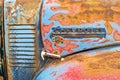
point(116, 35)
point(103, 63)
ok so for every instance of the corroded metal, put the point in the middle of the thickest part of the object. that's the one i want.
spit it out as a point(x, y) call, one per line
point(21, 38)
point(93, 64)
point(73, 15)
point(85, 46)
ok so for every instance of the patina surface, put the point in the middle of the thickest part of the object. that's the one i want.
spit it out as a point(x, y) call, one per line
point(26, 20)
point(76, 14)
point(21, 38)
point(98, 64)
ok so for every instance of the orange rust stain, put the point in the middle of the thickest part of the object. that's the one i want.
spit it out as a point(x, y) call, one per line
point(90, 11)
point(104, 63)
point(62, 18)
point(48, 45)
point(98, 24)
point(56, 8)
point(57, 17)
point(109, 28)
point(116, 35)
point(29, 12)
point(114, 8)
point(46, 28)
point(53, 8)
point(97, 40)
point(50, 1)
point(86, 40)
point(69, 46)
point(67, 19)
point(28, 4)
point(116, 18)
point(104, 66)
point(118, 21)
point(59, 49)
point(65, 22)
point(104, 41)
point(74, 9)
point(69, 41)
point(26, 1)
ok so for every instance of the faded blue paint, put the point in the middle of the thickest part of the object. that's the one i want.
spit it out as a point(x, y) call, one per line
point(82, 45)
point(21, 71)
point(47, 73)
point(61, 68)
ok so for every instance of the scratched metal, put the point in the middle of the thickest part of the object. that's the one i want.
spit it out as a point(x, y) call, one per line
point(21, 42)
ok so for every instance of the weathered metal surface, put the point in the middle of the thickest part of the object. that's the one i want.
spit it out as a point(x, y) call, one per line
point(89, 60)
point(21, 38)
point(98, 64)
point(75, 14)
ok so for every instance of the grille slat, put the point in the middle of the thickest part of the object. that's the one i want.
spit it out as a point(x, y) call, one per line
point(22, 46)
point(23, 58)
point(22, 54)
point(23, 66)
